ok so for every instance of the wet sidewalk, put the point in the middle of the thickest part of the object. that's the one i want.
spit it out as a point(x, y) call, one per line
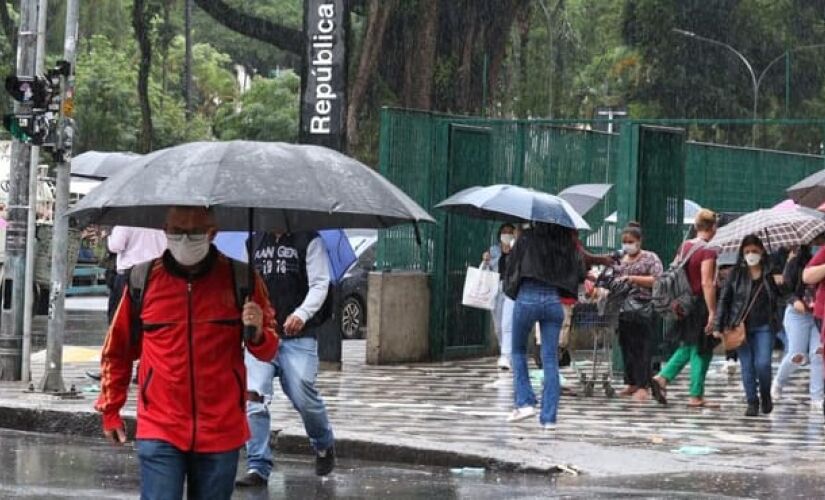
point(454, 413)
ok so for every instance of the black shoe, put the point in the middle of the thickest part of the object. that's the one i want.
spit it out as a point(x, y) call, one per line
point(325, 462)
point(94, 376)
point(767, 404)
point(659, 392)
point(753, 409)
point(537, 358)
point(251, 480)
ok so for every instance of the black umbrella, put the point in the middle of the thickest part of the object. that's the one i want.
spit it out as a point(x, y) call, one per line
point(100, 165)
point(272, 186)
point(583, 197)
point(810, 191)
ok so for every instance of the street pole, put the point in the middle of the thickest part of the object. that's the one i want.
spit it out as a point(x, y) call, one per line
point(755, 81)
point(11, 317)
point(187, 63)
point(31, 223)
point(53, 376)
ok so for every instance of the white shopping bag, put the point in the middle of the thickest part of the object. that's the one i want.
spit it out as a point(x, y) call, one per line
point(480, 288)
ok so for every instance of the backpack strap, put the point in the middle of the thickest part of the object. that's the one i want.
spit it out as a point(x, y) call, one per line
point(138, 280)
point(697, 245)
point(240, 282)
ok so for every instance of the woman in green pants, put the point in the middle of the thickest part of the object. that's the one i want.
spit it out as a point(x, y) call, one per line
point(695, 330)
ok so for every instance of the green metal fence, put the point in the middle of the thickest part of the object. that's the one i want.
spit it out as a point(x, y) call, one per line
point(431, 156)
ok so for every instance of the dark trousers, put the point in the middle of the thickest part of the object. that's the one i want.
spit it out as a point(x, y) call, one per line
point(635, 340)
point(164, 469)
point(116, 293)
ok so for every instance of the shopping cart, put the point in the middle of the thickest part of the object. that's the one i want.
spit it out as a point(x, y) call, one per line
point(593, 331)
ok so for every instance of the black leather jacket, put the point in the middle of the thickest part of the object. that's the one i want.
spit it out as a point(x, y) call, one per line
point(735, 296)
point(525, 262)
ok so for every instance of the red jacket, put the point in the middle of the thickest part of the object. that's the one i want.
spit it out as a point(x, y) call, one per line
point(192, 380)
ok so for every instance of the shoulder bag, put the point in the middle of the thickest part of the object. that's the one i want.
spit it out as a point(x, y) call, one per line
point(734, 337)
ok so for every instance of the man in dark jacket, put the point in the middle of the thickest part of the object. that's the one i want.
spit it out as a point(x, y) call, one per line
point(295, 268)
point(191, 422)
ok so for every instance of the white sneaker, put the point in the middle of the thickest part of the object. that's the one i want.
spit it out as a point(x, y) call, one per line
point(548, 426)
point(520, 414)
point(816, 405)
point(776, 391)
point(731, 366)
point(504, 364)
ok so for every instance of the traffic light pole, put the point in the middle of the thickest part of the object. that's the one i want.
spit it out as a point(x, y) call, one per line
point(11, 315)
point(31, 221)
point(53, 376)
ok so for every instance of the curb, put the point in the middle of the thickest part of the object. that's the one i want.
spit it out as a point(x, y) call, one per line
point(88, 424)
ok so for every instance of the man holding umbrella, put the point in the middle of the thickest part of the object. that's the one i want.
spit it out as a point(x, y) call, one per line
point(187, 333)
point(295, 269)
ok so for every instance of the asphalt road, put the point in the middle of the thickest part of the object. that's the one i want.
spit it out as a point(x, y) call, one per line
point(52, 466)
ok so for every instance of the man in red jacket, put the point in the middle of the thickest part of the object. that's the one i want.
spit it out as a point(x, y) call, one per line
point(191, 407)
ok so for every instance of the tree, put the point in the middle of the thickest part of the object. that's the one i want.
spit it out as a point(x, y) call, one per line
point(141, 20)
point(267, 112)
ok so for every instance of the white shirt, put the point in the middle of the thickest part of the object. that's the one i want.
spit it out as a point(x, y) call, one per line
point(134, 245)
point(318, 276)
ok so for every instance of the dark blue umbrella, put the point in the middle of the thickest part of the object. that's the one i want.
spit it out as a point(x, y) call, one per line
point(339, 251)
point(513, 204)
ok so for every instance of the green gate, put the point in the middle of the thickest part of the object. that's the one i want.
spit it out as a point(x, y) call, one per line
point(469, 164)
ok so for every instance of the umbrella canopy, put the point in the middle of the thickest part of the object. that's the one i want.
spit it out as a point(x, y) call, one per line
point(513, 204)
point(583, 197)
point(339, 251)
point(777, 229)
point(810, 191)
point(100, 165)
point(274, 186)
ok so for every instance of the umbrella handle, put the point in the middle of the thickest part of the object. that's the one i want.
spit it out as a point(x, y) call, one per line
point(249, 330)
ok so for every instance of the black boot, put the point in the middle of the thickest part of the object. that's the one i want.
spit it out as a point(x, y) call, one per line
point(753, 409)
point(767, 404)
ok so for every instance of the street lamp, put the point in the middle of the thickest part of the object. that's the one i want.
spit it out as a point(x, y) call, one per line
point(756, 81)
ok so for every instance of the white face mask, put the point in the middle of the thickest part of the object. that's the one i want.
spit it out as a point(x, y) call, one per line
point(753, 259)
point(188, 249)
point(507, 239)
point(630, 248)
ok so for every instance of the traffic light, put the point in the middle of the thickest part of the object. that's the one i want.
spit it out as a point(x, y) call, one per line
point(30, 90)
point(29, 129)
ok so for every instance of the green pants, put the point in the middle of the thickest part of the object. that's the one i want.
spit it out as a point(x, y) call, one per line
point(699, 364)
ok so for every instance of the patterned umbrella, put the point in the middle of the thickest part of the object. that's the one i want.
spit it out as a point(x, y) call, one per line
point(777, 229)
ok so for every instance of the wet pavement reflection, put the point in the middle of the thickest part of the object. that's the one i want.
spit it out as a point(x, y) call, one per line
point(52, 466)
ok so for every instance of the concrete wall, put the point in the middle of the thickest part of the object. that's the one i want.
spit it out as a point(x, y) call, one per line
point(399, 309)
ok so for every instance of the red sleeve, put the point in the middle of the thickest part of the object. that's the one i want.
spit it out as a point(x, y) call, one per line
point(268, 348)
point(116, 365)
point(818, 259)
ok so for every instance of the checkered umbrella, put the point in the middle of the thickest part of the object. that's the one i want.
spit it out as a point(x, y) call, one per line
point(777, 229)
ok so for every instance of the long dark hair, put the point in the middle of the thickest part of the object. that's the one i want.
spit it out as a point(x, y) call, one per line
point(555, 246)
point(754, 240)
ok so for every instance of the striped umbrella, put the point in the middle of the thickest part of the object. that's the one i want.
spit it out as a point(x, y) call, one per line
point(777, 229)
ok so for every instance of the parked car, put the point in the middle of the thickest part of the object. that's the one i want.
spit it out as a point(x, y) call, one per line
point(351, 292)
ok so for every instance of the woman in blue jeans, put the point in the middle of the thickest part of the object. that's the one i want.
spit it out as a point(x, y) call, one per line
point(544, 266)
point(804, 346)
point(752, 296)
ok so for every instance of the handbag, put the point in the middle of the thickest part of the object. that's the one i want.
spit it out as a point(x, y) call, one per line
point(734, 337)
point(480, 288)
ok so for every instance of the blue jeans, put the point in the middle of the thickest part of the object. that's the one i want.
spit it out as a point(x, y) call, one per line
point(296, 365)
point(540, 303)
point(755, 357)
point(803, 344)
point(163, 469)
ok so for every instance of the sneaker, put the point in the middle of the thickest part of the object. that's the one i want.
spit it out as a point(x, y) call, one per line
point(520, 414)
point(776, 390)
point(548, 426)
point(325, 462)
point(252, 479)
point(504, 364)
point(753, 409)
point(93, 375)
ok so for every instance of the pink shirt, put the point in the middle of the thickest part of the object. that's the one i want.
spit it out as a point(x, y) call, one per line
point(134, 245)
